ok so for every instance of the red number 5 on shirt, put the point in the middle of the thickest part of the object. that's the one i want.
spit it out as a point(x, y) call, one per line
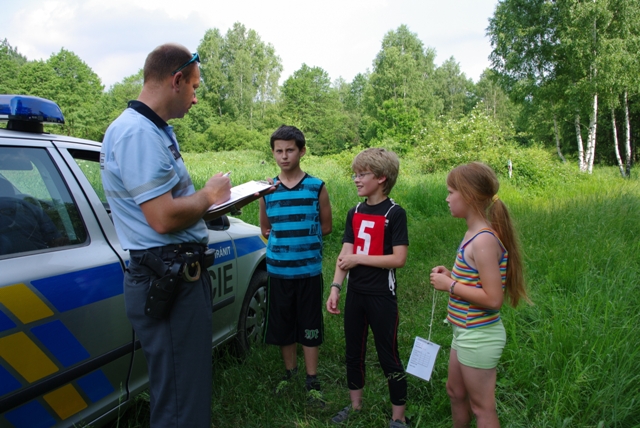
point(369, 239)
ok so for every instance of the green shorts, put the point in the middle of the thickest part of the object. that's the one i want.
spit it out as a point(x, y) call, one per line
point(480, 347)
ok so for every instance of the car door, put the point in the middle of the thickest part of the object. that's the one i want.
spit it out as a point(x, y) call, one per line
point(83, 162)
point(65, 341)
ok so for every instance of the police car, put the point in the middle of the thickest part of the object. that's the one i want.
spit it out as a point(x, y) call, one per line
point(68, 355)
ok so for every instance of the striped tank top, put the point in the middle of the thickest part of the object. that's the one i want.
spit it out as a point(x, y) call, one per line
point(462, 313)
point(294, 249)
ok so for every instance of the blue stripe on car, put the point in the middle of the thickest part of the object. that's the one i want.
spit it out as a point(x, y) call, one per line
point(224, 251)
point(73, 290)
point(5, 322)
point(8, 383)
point(248, 245)
point(95, 385)
point(30, 415)
point(61, 343)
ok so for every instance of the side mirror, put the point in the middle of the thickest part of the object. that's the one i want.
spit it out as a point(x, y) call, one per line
point(219, 223)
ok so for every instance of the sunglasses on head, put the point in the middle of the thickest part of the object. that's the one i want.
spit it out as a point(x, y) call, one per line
point(194, 58)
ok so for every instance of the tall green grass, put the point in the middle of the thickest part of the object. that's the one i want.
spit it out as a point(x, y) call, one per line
point(572, 359)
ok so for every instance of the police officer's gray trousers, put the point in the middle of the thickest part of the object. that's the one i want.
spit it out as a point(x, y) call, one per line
point(177, 349)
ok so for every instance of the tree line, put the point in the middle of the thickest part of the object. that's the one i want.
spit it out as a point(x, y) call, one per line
point(551, 64)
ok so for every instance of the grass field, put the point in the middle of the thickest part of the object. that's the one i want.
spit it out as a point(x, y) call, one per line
point(572, 359)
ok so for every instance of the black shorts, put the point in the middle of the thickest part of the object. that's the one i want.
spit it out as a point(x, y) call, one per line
point(295, 311)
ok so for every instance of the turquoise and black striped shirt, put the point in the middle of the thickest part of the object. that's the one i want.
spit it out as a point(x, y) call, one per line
point(294, 249)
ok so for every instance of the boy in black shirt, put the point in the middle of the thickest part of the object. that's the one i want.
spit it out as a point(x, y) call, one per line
point(375, 243)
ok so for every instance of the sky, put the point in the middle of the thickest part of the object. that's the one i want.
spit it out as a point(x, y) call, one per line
point(343, 37)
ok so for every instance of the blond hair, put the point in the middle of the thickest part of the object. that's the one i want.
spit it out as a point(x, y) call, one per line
point(478, 185)
point(381, 162)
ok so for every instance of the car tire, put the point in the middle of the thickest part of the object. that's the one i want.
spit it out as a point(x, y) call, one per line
point(253, 315)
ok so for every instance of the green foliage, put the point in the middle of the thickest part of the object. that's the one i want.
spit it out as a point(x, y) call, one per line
point(37, 78)
point(400, 96)
point(121, 93)
point(78, 92)
point(446, 144)
point(477, 137)
point(313, 105)
point(453, 88)
point(395, 125)
point(240, 74)
point(494, 99)
point(231, 136)
point(221, 137)
point(10, 62)
point(401, 72)
point(553, 58)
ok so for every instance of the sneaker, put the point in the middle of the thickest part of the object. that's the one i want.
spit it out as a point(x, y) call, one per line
point(314, 393)
point(312, 383)
point(344, 414)
point(286, 380)
point(399, 424)
point(315, 398)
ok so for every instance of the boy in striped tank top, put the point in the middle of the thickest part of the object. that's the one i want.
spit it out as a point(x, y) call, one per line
point(487, 265)
point(294, 219)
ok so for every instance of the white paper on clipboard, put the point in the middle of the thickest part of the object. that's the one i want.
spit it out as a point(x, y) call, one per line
point(423, 358)
point(238, 194)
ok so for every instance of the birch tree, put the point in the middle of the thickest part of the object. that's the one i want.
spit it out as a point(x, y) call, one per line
point(565, 52)
point(525, 58)
point(621, 72)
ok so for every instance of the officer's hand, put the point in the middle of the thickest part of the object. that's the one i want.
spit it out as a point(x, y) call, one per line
point(219, 188)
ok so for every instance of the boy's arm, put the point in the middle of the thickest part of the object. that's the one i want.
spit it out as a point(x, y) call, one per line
point(388, 261)
point(326, 220)
point(338, 278)
point(265, 225)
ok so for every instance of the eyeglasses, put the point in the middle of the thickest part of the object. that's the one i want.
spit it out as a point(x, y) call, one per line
point(194, 58)
point(360, 176)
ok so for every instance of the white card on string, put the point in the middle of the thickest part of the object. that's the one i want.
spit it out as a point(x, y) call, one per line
point(423, 358)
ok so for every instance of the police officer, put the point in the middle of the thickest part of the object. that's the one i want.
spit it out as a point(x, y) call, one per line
point(158, 216)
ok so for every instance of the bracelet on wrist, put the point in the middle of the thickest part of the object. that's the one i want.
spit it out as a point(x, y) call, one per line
point(336, 285)
point(452, 286)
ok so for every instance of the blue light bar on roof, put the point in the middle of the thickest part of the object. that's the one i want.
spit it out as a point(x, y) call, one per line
point(25, 108)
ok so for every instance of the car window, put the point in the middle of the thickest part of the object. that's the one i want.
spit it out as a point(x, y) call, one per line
point(89, 163)
point(37, 211)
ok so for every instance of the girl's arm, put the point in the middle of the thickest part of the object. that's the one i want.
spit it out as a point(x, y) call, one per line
point(485, 252)
point(338, 278)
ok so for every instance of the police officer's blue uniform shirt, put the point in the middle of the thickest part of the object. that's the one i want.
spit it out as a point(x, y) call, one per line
point(139, 161)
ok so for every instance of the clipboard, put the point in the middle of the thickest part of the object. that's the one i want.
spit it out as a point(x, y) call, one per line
point(239, 193)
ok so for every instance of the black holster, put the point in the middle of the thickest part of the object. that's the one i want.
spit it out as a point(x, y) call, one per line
point(184, 265)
